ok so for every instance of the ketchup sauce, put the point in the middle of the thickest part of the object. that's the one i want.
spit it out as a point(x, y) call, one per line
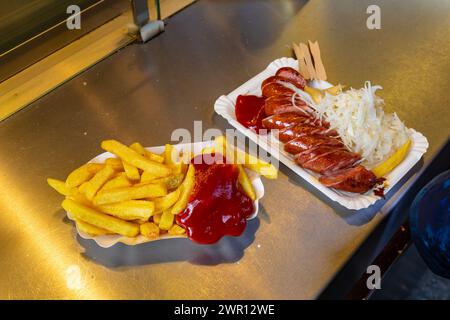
point(250, 111)
point(217, 206)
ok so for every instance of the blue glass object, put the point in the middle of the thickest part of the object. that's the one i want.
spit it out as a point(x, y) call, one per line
point(430, 224)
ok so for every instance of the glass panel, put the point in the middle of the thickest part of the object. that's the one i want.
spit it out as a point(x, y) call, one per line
point(30, 30)
point(24, 19)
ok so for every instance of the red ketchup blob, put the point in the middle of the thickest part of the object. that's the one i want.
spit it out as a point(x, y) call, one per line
point(217, 206)
point(250, 111)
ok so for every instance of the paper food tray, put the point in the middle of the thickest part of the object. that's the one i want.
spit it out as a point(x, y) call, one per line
point(225, 107)
point(107, 241)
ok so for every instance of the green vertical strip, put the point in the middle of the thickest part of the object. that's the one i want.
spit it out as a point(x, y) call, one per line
point(158, 10)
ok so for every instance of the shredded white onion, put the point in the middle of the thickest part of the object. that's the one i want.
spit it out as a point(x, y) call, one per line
point(302, 94)
point(358, 117)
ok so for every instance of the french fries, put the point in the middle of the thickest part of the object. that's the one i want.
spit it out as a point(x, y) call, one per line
point(80, 198)
point(169, 155)
point(166, 221)
point(131, 171)
point(129, 210)
point(263, 168)
point(100, 220)
point(176, 230)
point(150, 230)
point(220, 145)
point(115, 198)
point(115, 163)
point(167, 201)
point(147, 176)
point(83, 186)
point(172, 159)
point(149, 190)
point(97, 181)
point(61, 187)
point(117, 182)
point(136, 146)
point(186, 187)
point(207, 150)
point(90, 229)
point(246, 183)
point(82, 174)
point(171, 182)
point(157, 218)
point(140, 192)
point(135, 159)
point(155, 157)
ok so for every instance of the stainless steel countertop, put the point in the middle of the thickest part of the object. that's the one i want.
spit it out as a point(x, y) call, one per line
point(144, 92)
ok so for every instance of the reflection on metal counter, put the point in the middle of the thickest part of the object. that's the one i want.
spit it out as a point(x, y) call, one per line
point(300, 240)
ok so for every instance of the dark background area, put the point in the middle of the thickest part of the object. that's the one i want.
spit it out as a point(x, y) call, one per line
point(410, 278)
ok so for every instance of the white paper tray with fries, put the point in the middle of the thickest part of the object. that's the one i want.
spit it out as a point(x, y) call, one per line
point(225, 106)
point(107, 241)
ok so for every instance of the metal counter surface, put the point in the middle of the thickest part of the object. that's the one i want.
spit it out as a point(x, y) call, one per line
point(144, 92)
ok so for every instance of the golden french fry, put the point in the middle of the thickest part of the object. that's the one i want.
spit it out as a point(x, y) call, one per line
point(166, 221)
point(155, 157)
point(170, 155)
point(179, 168)
point(207, 150)
point(100, 220)
point(263, 168)
point(177, 163)
point(186, 157)
point(83, 174)
point(114, 163)
point(143, 191)
point(80, 198)
point(136, 146)
point(131, 171)
point(95, 167)
point(176, 230)
point(129, 210)
point(150, 230)
point(117, 182)
point(157, 218)
point(171, 182)
point(241, 157)
point(91, 229)
point(220, 145)
point(173, 160)
point(61, 187)
point(83, 186)
point(246, 183)
point(148, 176)
point(98, 181)
point(140, 221)
point(186, 188)
point(167, 201)
point(136, 159)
